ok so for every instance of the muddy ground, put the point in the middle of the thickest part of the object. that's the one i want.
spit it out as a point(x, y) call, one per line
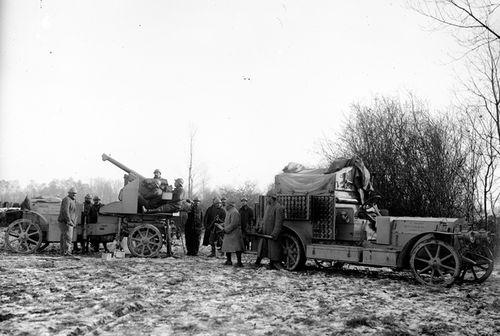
point(44, 294)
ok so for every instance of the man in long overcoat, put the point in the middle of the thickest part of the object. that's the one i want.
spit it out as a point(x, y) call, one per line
point(272, 224)
point(247, 219)
point(214, 214)
point(233, 238)
point(67, 221)
point(193, 228)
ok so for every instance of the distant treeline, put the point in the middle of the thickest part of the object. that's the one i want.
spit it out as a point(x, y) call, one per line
point(107, 190)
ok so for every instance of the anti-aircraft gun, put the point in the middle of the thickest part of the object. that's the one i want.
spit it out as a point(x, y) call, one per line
point(146, 232)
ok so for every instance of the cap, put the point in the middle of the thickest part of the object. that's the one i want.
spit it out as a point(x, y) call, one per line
point(223, 198)
point(244, 199)
point(157, 171)
point(196, 199)
point(88, 196)
point(231, 202)
point(72, 190)
point(96, 198)
point(181, 181)
point(216, 200)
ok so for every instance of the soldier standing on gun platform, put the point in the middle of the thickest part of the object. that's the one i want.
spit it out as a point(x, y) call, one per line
point(271, 225)
point(67, 221)
point(193, 227)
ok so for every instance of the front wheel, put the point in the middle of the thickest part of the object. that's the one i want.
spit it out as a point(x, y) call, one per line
point(293, 254)
point(23, 236)
point(435, 263)
point(477, 265)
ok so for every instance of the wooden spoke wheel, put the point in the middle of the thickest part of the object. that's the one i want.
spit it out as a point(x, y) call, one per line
point(328, 264)
point(293, 256)
point(23, 236)
point(477, 265)
point(435, 263)
point(145, 241)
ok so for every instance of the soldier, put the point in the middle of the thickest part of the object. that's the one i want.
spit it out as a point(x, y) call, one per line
point(215, 214)
point(94, 210)
point(175, 204)
point(67, 221)
point(247, 220)
point(223, 201)
point(92, 218)
point(233, 238)
point(82, 237)
point(193, 227)
point(271, 225)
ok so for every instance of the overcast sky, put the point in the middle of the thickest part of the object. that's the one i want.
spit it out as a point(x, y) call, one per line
point(260, 81)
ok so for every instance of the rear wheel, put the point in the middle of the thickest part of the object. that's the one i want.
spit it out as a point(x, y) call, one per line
point(293, 254)
point(145, 241)
point(23, 236)
point(435, 263)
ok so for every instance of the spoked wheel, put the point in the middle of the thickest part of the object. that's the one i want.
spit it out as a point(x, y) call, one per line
point(23, 236)
point(293, 255)
point(435, 263)
point(145, 241)
point(477, 265)
point(328, 264)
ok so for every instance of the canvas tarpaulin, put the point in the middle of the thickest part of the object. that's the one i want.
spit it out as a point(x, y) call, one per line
point(296, 179)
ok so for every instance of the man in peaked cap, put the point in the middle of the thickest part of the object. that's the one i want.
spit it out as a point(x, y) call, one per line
point(67, 221)
point(272, 224)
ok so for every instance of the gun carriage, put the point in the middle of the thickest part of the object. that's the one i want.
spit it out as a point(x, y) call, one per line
point(29, 231)
point(325, 221)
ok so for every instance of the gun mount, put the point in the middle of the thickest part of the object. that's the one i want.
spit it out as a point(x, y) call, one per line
point(129, 193)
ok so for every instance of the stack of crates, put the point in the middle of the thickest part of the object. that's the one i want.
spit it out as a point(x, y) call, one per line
point(323, 217)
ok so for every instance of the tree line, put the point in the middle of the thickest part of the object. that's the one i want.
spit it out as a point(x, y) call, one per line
point(107, 190)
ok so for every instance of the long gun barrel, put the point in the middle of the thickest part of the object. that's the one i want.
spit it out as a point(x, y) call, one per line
point(121, 166)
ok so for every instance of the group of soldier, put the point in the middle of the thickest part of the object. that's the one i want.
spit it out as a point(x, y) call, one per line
point(67, 222)
point(226, 227)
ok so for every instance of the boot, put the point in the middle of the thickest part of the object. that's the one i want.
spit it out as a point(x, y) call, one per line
point(228, 259)
point(238, 257)
point(213, 252)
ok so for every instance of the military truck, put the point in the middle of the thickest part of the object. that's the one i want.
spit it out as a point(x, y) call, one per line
point(327, 219)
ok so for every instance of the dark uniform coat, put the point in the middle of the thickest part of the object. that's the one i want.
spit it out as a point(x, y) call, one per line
point(233, 238)
point(194, 224)
point(94, 212)
point(246, 217)
point(212, 215)
point(272, 224)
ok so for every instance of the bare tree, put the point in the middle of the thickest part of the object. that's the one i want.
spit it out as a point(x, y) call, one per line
point(418, 161)
point(472, 23)
point(192, 135)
